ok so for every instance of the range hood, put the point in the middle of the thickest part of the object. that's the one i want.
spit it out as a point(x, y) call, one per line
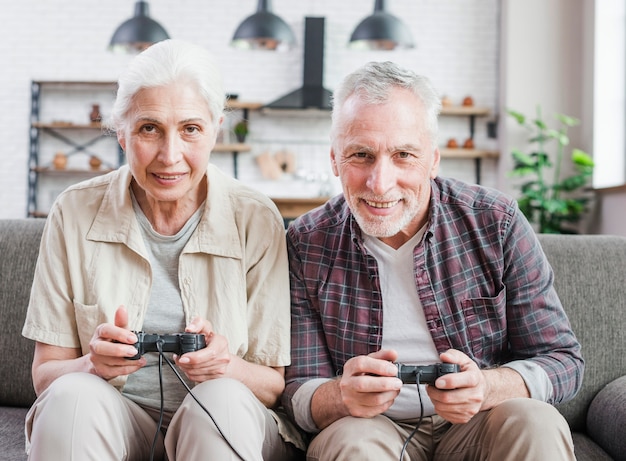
point(312, 93)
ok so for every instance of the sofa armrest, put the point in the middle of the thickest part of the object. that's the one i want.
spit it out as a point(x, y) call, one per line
point(606, 418)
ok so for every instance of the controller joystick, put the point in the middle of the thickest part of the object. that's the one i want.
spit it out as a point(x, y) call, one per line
point(178, 343)
point(426, 374)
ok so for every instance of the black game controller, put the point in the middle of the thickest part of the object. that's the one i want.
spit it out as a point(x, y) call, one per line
point(427, 374)
point(178, 343)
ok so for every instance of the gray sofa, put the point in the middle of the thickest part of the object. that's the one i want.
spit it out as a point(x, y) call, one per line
point(590, 276)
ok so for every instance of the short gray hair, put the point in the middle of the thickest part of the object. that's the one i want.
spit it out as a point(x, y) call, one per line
point(374, 81)
point(164, 63)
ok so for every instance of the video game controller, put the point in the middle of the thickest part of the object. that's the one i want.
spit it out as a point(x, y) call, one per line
point(178, 343)
point(427, 374)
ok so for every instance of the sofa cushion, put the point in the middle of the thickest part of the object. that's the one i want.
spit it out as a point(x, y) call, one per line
point(12, 440)
point(588, 276)
point(586, 449)
point(606, 419)
point(19, 247)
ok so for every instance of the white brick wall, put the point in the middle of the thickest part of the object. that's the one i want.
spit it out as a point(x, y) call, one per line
point(457, 44)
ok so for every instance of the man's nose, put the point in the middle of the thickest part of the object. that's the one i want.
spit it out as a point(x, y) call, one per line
point(382, 176)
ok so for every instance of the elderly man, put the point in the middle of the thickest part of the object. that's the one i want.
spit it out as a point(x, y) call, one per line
point(409, 267)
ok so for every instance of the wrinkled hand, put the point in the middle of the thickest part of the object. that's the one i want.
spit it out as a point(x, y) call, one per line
point(369, 384)
point(457, 397)
point(210, 362)
point(111, 345)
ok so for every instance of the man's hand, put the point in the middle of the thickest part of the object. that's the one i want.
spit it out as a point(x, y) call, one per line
point(457, 397)
point(110, 347)
point(367, 388)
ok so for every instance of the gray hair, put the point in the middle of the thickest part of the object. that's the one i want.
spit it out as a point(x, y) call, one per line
point(373, 83)
point(164, 63)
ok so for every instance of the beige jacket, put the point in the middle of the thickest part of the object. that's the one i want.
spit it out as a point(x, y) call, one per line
point(233, 271)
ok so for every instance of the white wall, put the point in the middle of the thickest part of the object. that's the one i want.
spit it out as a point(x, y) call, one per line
point(545, 55)
point(67, 39)
point(543, 61)
point(552, 63)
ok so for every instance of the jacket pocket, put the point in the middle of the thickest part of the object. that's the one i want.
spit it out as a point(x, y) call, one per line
point(88, 317)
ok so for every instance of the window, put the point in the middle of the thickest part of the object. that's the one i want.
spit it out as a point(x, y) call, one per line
point(609, 140)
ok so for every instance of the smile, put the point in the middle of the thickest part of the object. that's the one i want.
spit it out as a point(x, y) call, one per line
point(382, 204)
point(168, 177)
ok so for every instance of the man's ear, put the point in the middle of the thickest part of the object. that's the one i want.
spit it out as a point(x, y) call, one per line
point(434, 171)
point(333, 162)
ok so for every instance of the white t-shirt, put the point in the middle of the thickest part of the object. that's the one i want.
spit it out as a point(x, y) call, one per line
point(404, 323)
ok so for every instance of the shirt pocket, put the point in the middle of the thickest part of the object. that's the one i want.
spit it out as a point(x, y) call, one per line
point(486, 323)
point(88, 317)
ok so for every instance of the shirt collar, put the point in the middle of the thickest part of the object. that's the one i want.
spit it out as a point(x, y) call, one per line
point(217, 233)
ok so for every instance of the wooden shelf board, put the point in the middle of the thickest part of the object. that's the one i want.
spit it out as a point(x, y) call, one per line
point(71, 171)
point(467, 153)
point(235, 104)
point(236, 147)
point(294, 207)
point(465, 110)
point(68, 125)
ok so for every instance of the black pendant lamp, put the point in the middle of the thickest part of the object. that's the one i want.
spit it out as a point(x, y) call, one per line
point(263, 31)
point(381, 31)
point(137, 33)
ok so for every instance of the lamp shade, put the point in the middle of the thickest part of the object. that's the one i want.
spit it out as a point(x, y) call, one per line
point(137, 33)
point(381, 31)
point(263, 31)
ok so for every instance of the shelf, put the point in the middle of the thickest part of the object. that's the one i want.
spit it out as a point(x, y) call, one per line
point(465, 111)
point(75, 84)
point(467, 153)
point(67, 125)
point(230, 148)
point(70, 171)
point(235, 104)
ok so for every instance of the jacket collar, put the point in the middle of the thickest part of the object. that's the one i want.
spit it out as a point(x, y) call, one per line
point(217, 233)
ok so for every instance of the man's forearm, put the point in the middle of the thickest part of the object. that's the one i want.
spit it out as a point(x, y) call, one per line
point(327, 405)
point(503, 384)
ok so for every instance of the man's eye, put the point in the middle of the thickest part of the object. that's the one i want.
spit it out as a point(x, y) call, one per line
point(148, 128)
point(192, 129)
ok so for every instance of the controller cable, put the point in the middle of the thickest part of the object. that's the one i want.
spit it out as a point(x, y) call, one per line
point(162, 356)
point(419, 421)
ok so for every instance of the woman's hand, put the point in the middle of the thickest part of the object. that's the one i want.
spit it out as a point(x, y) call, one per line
point(111, 346)
point(210, 362)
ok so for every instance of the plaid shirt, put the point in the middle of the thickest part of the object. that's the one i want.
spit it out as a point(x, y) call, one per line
point(481, 275)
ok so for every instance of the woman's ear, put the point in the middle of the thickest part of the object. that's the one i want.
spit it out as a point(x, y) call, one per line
point(121, 140)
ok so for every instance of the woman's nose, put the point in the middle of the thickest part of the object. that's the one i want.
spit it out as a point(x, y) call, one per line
point(171, 150)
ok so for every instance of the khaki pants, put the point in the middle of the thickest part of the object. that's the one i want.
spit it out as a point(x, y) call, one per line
point(81, 417)
point(518, 429)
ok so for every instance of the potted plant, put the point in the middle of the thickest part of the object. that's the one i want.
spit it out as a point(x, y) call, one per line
point(241, 130)
point(553, 205)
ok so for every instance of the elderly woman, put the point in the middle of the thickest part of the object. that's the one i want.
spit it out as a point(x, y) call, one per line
point(165, 245)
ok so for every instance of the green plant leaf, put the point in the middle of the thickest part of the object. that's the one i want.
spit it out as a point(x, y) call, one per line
point(519, 117)
point(582, 158)
point(522, 158)
point(567, 120)
point(540, 124)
